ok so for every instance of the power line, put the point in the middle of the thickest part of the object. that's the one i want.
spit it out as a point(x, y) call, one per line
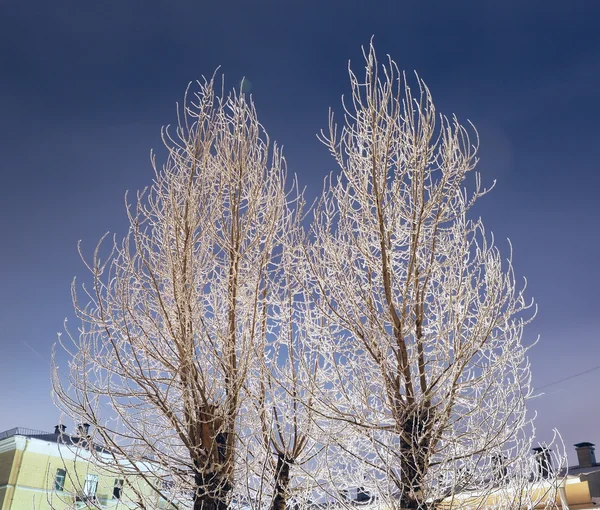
point(42, 356)
point(573, 376)
point(568, 378)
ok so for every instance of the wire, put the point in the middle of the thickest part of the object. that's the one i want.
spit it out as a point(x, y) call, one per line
point(568, 378)
point(578, 374)
point(42, 356)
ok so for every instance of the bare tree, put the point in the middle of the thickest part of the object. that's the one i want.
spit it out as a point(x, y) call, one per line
point(173, 318)
point(224, 359)
point(284, 439)
point(426, 317)
point(285, 452)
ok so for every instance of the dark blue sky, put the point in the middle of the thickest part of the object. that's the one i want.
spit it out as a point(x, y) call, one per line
point(85, 87)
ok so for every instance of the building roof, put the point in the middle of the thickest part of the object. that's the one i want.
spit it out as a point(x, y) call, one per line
point(22, 431)
point(577, 470)
point(52, 437)
point(583, 445)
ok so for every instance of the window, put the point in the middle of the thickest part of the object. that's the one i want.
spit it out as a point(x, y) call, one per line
point(90, 486)
point(59, 479)
point(118, 488)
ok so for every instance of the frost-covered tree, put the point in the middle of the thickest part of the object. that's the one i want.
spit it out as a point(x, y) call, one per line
point(173, 319)
point(286, 457)
point(425, 316)
point(226, 359)
point(280, 429)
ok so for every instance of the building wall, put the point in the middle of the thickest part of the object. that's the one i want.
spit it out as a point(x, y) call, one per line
point(578, 494)
point(6, 462)
point(10, 459)
point(593, 479)
point(29, 467)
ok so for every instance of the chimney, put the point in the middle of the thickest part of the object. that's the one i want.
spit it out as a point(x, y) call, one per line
point(585, 454)
point(59, 429)
point(499, 468)
point(543, 460)
point(83, 430)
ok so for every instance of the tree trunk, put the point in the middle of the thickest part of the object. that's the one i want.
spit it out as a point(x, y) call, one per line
point(213, 487)
point(282, 483)
point(413, 462)
point(212, 492)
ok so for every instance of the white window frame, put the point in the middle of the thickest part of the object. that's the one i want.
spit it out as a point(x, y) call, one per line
point(90, 486)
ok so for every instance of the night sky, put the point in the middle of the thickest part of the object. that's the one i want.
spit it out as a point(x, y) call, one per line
point(86, 86)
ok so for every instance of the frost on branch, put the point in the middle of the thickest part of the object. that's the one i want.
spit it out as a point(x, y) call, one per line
point(426, 316)
point(172, 322)
point(227, 358)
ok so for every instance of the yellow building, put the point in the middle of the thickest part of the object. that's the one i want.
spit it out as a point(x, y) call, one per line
point(570, 493)
point(42, 471)
point(575, 488)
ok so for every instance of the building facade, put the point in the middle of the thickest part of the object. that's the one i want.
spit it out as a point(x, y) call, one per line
point(43, 471)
